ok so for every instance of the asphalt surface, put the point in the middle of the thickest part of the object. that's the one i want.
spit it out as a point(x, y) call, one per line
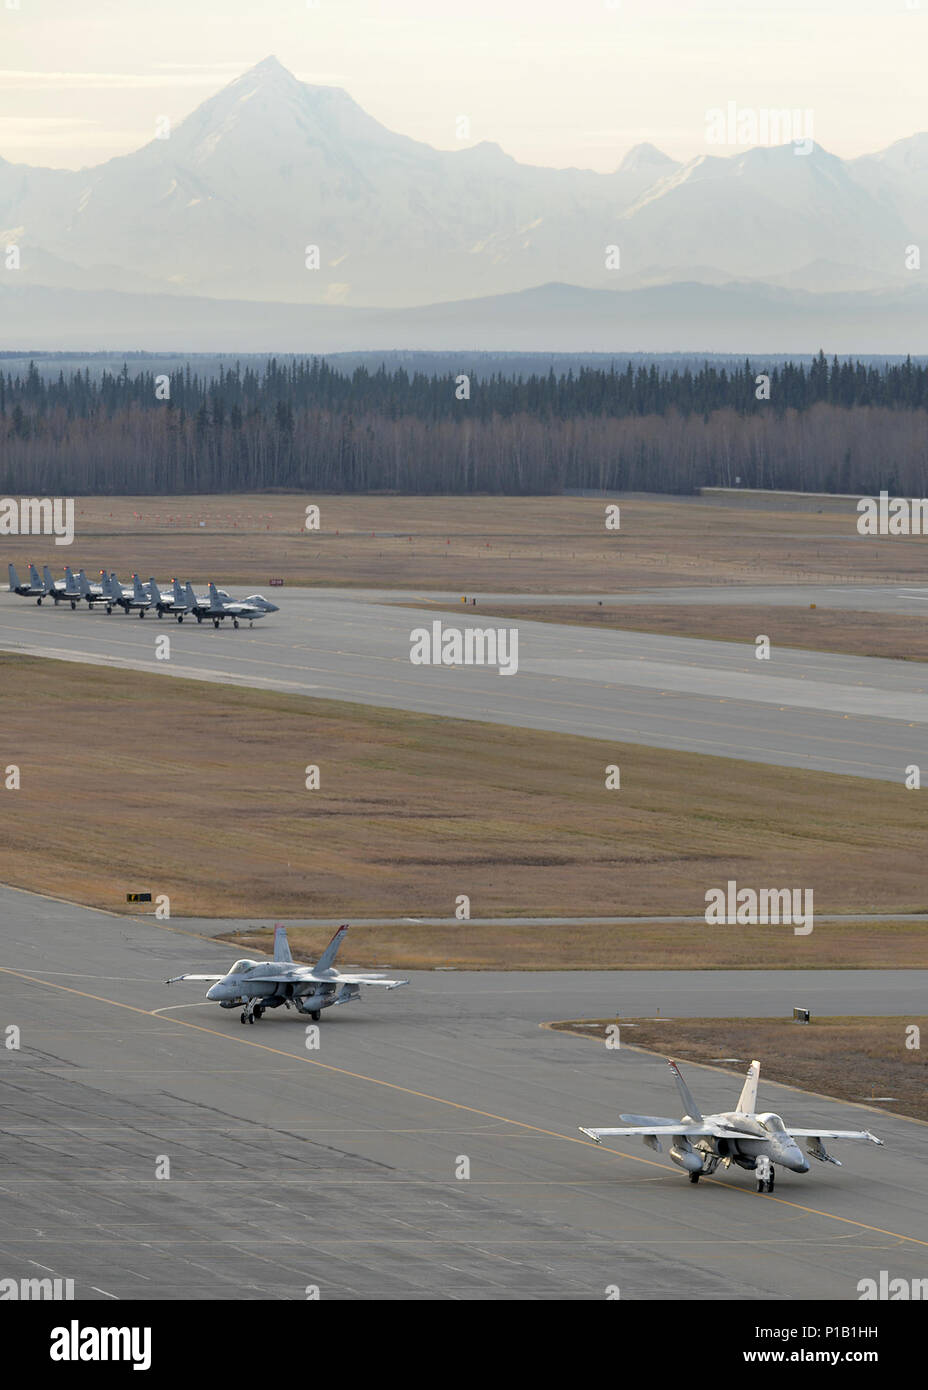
point(336, 1167)
point(851, 715)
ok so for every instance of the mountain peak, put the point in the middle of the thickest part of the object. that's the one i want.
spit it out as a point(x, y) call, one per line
point(270, 66)
point(646, 158)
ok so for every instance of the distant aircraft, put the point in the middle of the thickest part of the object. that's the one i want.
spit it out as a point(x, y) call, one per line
point(127, 598)
point(220, 606)
point(34, 589)
point(65, 590)
point(199, 607)
point(259, 985)
point(176, 606)
point(757, 1142)
point(93, 593)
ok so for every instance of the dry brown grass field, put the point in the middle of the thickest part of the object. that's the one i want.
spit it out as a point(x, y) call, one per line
point(854, 633)
point(197, 790)
point(507, 544)
point(855, 1059)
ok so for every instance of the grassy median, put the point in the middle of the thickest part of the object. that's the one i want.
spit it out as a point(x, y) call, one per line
point(868, 1060)
point(137, 782)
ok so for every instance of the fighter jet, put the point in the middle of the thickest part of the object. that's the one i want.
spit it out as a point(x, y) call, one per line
point(94, 593)
point(756, 1142)
point(199, 607)
point(128, 599)
point(62, 590)
point(255, 986)
point(34, 589)
point(220, 606)
point(176, 606)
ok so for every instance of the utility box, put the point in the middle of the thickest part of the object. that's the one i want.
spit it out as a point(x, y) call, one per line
point(802, 1016)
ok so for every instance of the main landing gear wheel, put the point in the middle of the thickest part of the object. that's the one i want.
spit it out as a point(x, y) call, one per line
point(109, 608)
point(694, 1177)
point(141, 612)
point(243, 1018)
point(199, 617)
point(73, 604)
point(216, 624)
point(180, 617)
point(316, 1015)
point(235, 622)
point(39, 602)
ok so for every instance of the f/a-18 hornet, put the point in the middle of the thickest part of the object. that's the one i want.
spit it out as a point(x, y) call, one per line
point(756, 1142)
point(257, 985)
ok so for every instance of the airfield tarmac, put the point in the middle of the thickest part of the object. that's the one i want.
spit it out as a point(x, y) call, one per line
point(336, 1167)
point(859, 716)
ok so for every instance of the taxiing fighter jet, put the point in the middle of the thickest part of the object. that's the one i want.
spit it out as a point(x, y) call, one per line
point(756, 1142)
point(257, 985)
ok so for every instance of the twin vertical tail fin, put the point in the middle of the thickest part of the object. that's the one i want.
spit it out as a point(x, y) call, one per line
point(747, 1101)
point(327, 959)
point(34, 579)
point(14, 579)
point(281, 944)
point(689, 1105)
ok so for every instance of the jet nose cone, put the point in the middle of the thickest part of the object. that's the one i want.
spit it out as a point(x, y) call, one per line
point(214, 992)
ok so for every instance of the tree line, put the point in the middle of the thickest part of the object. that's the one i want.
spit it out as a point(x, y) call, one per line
point(831, 427)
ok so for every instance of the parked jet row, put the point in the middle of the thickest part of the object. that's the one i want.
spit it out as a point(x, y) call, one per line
point(140, 598)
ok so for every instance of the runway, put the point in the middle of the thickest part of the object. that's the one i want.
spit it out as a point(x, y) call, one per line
point(336, 1168)
point(851, 715)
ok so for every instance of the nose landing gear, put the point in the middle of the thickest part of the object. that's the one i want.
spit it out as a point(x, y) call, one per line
point(763, 1170)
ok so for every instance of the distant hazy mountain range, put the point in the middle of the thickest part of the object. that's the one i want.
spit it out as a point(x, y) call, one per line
point(808, 248)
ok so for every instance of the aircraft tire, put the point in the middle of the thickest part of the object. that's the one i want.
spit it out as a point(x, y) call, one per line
point(694, 1177)
point(235, 623)
point(242, 1018)
point(316, 1015)
point(180, 617)
point(73, 605)
point(39, 602)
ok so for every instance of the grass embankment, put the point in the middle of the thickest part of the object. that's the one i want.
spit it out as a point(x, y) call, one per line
point(855, 1059)
point(469, 544)
point(197, 790)
point(851, 632)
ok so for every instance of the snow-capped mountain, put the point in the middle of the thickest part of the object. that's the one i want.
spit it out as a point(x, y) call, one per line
point(228, 204)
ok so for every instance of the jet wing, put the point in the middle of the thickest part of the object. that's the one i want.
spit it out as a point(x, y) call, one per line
point(306, 974)
point(174, 979)
point(371, 980)
point(703, 1131)
point(834, 1134)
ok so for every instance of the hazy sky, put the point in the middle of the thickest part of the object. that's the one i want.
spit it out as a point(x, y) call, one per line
point(553, 81)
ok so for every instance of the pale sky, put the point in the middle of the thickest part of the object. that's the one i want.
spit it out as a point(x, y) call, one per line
point(556, 82)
